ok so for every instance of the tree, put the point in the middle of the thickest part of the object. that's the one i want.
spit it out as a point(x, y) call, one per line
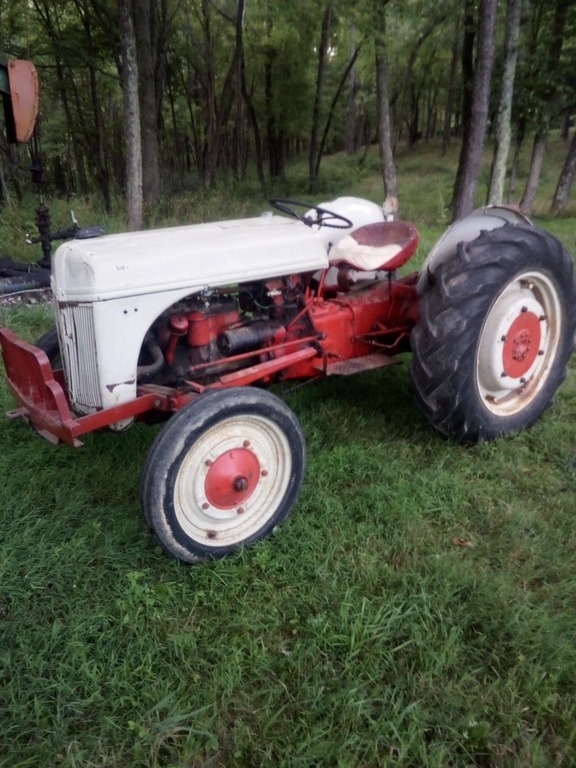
point(351, 124)
point(385, 146)
point(503, 133)
point(546, 94)
point(100, 159)
point(132, 135)
point(451, 89)
point(228, 88)
point(252, 116)
point(332, 109)
point(567, 174)
point(475, 127)
point(320, 78)
point(149, 18)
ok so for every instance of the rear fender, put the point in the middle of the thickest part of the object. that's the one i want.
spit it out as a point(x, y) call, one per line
point(464, 231)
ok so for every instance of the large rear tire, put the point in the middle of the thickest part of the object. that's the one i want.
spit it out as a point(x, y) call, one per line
point(224, 472)
point(495, 335)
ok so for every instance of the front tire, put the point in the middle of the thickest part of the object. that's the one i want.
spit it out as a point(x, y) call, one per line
point(49, 344)
point(495, 335)
point(224, 472)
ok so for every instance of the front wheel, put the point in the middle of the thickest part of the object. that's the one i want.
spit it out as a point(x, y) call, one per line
point(49, 344)
point(223, 473)
point(495, 335)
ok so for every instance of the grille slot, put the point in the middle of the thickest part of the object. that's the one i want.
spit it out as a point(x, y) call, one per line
point(78, 345)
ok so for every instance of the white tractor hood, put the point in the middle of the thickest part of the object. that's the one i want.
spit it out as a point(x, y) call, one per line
point(187, 258)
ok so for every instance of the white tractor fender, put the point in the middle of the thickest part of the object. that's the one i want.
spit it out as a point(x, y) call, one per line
point(465, 230)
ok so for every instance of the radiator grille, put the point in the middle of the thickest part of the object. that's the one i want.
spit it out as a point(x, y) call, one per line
point(78, 345)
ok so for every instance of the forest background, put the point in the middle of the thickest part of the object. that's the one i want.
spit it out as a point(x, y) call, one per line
point(146, 99)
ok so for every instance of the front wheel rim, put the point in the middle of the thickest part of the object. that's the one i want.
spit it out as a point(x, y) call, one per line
point(518, 344)
point(232, 481)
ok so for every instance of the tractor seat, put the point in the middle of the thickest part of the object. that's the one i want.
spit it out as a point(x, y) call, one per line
point(384, 245)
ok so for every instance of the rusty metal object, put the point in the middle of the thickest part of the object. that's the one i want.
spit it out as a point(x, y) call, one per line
point(19, 87)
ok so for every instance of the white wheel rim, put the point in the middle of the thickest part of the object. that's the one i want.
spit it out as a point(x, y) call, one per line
point(232, 480)
point(518, 344)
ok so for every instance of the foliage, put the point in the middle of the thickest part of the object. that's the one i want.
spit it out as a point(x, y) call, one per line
point(213, 131)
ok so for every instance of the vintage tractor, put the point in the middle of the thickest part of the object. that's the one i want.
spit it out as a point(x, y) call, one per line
point(196, 322)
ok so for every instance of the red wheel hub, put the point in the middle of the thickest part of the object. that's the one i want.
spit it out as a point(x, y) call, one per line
point(231, 478)
point(521, 345)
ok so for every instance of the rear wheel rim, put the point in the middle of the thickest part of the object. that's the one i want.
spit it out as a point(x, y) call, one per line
point(518, 343)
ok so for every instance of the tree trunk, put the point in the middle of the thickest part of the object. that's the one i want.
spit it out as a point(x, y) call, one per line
point(503, 117)
point(565, 123)
point(145, 22)
point(475, 132)
point(449, 108)
point(95, 133)
point(243, 91)
point(332, 109)
point(351, 127)
point(553, 55)
point(9, 181)
point(100, 159)
point(73, 117)
point(209, 149)
point(467, 53)
point(275, 144)
point(385, 145)
point(179, 147)
point(538, 152)
point(218, 107)
point(320, 76)
point(131, 116)
point(4, 194)
point(564, 186)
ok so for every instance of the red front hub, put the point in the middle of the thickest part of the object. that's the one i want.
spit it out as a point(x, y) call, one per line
point(232, 478)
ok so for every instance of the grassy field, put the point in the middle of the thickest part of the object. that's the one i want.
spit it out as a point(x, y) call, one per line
point(416, 610)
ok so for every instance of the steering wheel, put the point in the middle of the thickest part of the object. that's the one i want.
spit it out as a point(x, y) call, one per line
point(324, 217)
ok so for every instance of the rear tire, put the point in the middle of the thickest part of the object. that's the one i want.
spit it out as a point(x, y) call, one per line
point(495, 335)
point(224, 472)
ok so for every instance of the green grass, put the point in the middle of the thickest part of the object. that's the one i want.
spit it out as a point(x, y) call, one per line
point(361, 634)
point(364, 633)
